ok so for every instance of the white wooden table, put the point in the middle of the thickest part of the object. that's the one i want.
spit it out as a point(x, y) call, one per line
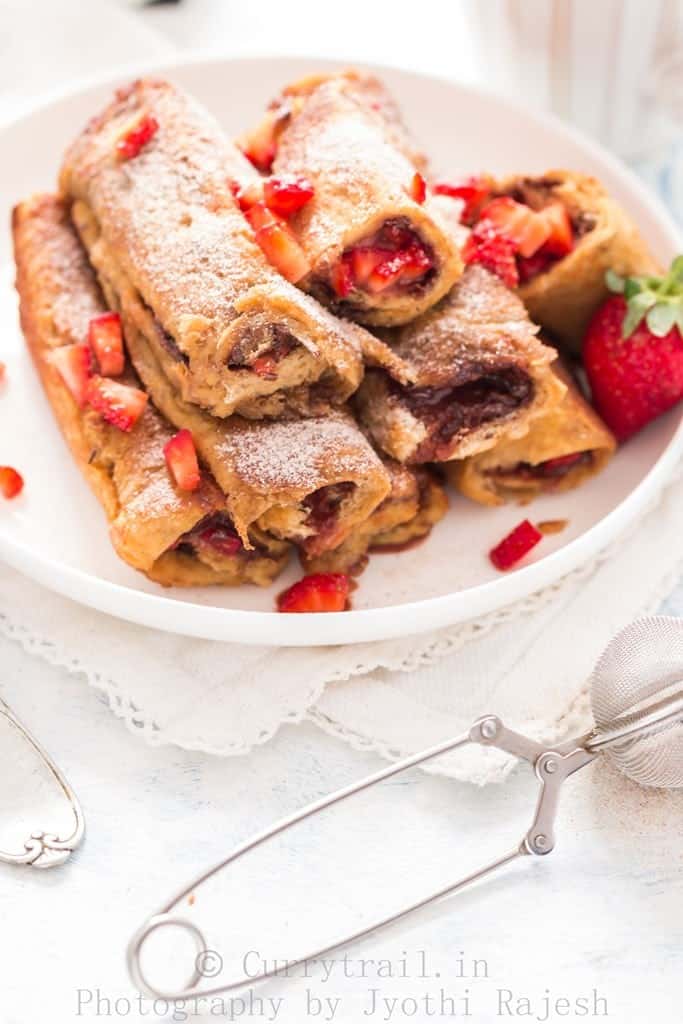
point(596, 930)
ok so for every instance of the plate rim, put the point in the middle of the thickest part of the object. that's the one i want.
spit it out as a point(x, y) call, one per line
point(362, 625)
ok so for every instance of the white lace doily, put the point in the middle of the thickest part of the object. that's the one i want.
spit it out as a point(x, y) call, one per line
point(528, 663)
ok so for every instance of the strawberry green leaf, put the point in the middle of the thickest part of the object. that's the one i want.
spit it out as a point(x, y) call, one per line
point(637, 308)
point(632, 286)
point(661, 318)
point(614, 282)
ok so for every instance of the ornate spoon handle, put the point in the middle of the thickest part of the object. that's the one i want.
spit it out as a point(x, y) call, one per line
point(43, 849)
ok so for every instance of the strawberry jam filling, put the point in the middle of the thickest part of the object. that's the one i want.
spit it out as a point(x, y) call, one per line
point(261, 350)
point(551, 470)
point(448, 411)
point(393, 259)
point(322, 518)
point(214, 537)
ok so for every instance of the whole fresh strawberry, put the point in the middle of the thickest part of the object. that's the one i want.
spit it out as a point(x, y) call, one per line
point(633, 350)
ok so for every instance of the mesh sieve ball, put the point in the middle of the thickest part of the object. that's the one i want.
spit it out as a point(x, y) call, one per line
point(643, 661)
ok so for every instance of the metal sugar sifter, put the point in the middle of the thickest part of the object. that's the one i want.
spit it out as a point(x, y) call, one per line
point(636, 692)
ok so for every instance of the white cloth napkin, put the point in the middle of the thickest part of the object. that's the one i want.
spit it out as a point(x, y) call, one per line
point(528, 663)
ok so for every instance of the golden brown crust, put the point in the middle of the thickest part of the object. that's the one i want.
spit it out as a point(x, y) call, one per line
point(571, 427)
point(414, 505)
point(563, 298)
point(345, 136)
point(126, 470)
point(267, 469)
point(479, 330)
point(174, 230)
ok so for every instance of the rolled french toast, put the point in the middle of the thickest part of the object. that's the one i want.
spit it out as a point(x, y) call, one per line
point(377, 251)
point(177, 538)
point(414, 505)
point(473, 371)
point(565, 446)
point(153, 171)
point(562, 292)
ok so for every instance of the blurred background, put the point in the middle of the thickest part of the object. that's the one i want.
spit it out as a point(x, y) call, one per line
point(613, 68)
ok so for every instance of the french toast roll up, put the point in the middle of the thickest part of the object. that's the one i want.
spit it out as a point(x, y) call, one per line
point(377, 251)
point(473, 370)
point(565, 446)
point(177, 538)
point(416, 502)
point(230, 332)
point(564, 282)
point(310, 480)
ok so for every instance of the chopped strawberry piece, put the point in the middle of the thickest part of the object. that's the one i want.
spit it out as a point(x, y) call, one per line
point(287, 194)
point(418, 188)
point(473, 191)
point(283, 251)
point(515, 546)
point(341, 277)
point(73, 363)
point(181, 459)
point(484, 245)
point(364, 259)
point(260, 145)
point(247, 195)
point(106, 340)
point(3, 370)
point(556, 467)
point(321, 592)
point(560, 241)
point(403, 267)
point(136, 136)
point(259, 216)
point(118, 404)
point(522, 225)
point(11, 482)
point(265, 367)
point(222, 538)
point(535, 265)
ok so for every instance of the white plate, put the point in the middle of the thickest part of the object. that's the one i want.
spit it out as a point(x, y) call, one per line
point(56, 531)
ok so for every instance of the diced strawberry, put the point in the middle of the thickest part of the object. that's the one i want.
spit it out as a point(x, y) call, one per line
point(222, 538)
point(341, 277)
point(247, 195)
point(259, 216)
point(287, 194)
point(3, 371)
point(418, 188)
point(485, 246)
point(73, 363)
point(473, 191)
point(11, 482)
point(321, 592)
point(558, 466)
point(118, 404)
point(265, 367)
point(136, 136)
point(534, 265)
point(401, 268)
point(106, 340)
point(560, 241)
point(260, 145)
point(515, 546)
point(283, 251)
point(364, 259)
point(181, 459)
point(522, 225)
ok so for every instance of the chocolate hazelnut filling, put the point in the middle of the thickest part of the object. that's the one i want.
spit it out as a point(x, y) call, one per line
point(447, 411)
point(261, 348)
point(214, 536)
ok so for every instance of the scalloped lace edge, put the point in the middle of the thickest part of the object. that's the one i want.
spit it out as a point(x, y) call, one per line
point(141, 724)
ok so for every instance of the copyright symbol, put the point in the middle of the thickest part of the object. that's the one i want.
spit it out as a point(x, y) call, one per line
point(209, 963)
